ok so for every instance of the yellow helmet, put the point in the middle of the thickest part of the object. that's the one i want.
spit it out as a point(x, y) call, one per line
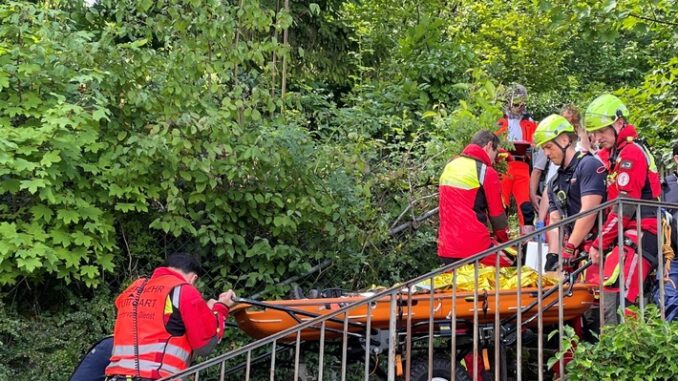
point(549, 129)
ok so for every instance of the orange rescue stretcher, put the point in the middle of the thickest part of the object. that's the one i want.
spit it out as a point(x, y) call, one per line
point(443, 314)
point(261, 319)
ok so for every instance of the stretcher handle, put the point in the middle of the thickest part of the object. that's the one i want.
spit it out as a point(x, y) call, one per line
point(293, 312)
point(574, 260)
point(238, 300)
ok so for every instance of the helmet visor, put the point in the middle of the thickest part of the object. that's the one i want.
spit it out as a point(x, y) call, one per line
point(595, 122)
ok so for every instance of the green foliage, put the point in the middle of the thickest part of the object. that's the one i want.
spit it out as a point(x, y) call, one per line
point(156, 118)
point(654, 106)
point(132, 129)
point(53, 212)
point(639, 349)
point(47, 346)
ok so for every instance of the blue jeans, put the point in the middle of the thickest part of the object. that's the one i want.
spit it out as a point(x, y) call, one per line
point(93, 366)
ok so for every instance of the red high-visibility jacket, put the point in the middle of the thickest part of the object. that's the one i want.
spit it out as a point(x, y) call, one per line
point(470, 197)
point(143, 344)
point(633, 175)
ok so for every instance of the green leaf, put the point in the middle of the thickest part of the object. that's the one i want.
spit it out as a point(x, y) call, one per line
point(29, 264)
point(314, 8)
point(24, 165)
point(4, 80)
point(90, 212)
point(89, 271)
point(50, 157)
point(125, 206)
point(5, 248)
point(429, 114)
point(100, 113)
point(68, 216)
point(141, 42)
point(28, 68)
point(71, 258)
point(106, 262)
point(81, 239)
point(8, 230)
point(32, 185)
point(60, 237)
point(144, 5)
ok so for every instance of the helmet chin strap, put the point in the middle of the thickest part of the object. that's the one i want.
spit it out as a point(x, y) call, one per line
point(614, 152)
point(563, 150)
point(616, 134)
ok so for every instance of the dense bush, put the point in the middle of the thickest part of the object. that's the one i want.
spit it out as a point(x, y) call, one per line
point(639, 349)
point(47, 346)
point(131, 129)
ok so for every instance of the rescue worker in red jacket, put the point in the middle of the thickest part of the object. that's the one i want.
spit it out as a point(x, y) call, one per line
point(632, 174)
point(163, 320)
point(469, 198)
point(518, 127)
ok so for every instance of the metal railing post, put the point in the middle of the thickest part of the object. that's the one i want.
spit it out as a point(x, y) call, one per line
point(621, 251)
point(561, 361)
point(344, 347)
point(660, 265)
point(368, 341)
point(519, 320)
point(453, 329)
point(392, 337)
point(430, 328)
point(272, 378)
point(297, 352)
point(601, 263)
point(639, 255)
point(497, 326)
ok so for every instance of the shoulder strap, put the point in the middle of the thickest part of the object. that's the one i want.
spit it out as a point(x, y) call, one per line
point(648, 155)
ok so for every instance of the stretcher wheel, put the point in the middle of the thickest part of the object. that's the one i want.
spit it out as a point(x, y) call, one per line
point(441, 369)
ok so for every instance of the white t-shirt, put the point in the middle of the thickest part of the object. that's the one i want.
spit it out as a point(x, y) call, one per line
point(515, 133)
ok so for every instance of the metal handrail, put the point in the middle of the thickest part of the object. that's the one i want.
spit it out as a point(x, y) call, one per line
point(395, 290)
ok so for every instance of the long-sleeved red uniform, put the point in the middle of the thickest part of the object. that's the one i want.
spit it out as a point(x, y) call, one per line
point(633, 174)
point(516, 181)
point(161, 322)
point(470, 197)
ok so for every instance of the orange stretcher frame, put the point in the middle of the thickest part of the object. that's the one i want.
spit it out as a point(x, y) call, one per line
point(259, 321)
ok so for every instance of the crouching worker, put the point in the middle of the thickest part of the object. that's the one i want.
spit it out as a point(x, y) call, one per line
point(162, 321)
point(470, 197)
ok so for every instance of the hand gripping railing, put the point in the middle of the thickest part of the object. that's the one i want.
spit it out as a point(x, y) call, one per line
point(405, 334)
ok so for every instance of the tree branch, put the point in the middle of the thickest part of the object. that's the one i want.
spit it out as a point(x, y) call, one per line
point(653, 19)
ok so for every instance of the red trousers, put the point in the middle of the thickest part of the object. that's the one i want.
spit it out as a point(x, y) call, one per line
point(516, 183)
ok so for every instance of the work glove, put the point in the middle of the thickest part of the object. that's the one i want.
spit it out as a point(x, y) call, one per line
point(569, 251)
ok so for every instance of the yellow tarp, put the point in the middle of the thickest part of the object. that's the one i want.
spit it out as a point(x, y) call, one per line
point(508, 279)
